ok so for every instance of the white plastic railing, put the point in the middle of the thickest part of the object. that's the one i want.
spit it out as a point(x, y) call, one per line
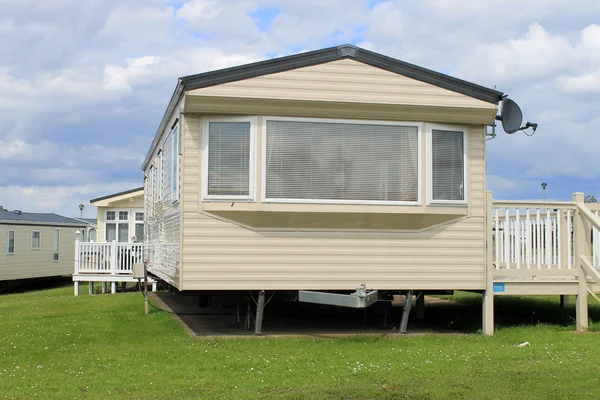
point(595, 248)
point(532, 235)
point(107, 258)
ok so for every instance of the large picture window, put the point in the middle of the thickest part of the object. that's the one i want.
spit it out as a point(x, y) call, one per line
point(228, 158)
point(341, 162)
point(448, 170)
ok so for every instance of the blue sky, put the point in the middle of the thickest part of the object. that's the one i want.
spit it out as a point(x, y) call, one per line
point(84, 83)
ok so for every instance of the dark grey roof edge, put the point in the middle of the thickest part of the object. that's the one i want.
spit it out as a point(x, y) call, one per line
point(429, 76)
point(116, 194)
point(310, 58)
point(74, 224)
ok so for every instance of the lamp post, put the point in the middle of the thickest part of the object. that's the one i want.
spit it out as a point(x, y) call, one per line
point(544, 185)
point(81, 206)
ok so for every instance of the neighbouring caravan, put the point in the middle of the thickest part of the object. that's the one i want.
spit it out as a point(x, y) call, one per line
point(36, 245)
point(318, 173)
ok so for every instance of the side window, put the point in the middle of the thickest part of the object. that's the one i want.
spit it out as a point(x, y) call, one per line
point(35, 240)
point(448, 168)
point(11, 242)
point(228, 160)
point(56, 244)
point(176, 152)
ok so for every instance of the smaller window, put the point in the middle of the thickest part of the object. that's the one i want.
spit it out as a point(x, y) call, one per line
point(56, 244)
point(92, 234)
point(448, 165)
point(11, 241)
point(123, 215)
point(110, 215)
point(228, 158)
point(35, 240)
point(139, 216)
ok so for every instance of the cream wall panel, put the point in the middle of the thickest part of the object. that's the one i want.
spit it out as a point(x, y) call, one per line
point(222, 256)
point(343, 81)
point(28, 263)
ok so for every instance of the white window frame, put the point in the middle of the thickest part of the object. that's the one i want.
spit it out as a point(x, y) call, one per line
point(117, 221)
point(252, 172)
point(175, 162)
point(159, 178)
point(429, 136)
point(40, 242)
point(55, 245)
point(417, 125)
point(14, 233)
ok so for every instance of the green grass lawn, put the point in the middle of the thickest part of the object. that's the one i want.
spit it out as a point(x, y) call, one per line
point(54, 345)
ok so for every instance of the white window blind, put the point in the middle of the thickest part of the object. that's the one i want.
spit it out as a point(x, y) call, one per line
point(341, 161)
point(448, 169)
point(229, 159)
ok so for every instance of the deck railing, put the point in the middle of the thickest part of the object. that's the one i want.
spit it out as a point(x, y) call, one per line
point(539, 235)
point(107, 258)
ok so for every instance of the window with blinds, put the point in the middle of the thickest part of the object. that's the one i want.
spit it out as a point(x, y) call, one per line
point(229, 159)
point(448, 165)
point(341, 161)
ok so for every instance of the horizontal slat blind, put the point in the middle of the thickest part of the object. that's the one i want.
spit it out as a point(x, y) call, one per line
point(341, 161)
point(448, 165)
point(229, 158)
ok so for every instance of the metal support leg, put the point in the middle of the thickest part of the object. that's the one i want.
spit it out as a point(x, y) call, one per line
point(91, 288)
point(113, 287)
point(406, 311)
point(487, 312)
point(154, 286)
point(76, 288)
point(421, 306)
point(564, 301)
point(248, 318)
point(260, 309)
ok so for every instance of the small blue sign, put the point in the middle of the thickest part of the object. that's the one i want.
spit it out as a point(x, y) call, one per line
point(498, 287)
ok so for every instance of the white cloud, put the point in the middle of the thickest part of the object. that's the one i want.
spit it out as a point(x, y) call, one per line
point(85, 98)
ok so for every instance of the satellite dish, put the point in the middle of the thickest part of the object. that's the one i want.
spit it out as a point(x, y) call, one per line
point(511, 116)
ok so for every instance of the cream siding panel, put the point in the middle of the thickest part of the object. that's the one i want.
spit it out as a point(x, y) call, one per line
point(222, 256)
point(101, 228)
point(27, 263)
point(343, 81)
point(476, 169)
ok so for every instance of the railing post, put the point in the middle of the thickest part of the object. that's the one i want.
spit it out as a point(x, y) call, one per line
point(76, 267)
point(488, 294)
point(579, 250)
point(113, 257)
point(564, 239)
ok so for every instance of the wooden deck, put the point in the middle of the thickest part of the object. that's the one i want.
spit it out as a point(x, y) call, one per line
point(542, 248)
point(107, 263)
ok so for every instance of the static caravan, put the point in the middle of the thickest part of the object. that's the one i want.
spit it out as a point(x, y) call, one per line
point(36, 245)
point(117, 246)
point(318, 173)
